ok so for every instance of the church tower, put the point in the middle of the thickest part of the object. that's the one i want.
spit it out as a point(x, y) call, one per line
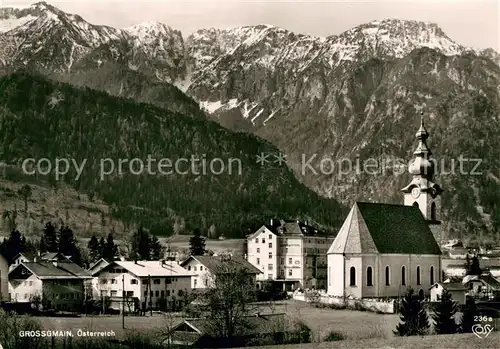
point(422, 191)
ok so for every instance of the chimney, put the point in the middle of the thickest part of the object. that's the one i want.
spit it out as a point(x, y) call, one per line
point(271, 222)
point(122, 258)
point(56, 264)
point(135, 261)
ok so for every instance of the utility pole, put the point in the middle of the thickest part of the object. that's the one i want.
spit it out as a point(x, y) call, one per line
point(123, 301)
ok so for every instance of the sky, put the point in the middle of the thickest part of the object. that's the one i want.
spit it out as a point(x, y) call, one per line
point(474, 23)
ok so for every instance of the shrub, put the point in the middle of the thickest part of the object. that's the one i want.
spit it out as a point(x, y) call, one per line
point(333, 336)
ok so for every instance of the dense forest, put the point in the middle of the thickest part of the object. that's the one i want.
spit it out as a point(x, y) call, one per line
point(41, 118)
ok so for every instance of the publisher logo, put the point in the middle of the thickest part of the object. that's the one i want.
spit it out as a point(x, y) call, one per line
point(482, 331)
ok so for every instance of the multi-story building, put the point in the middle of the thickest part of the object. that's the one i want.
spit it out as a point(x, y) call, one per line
point(204, 268)
point(154, 284)
point(290, 253)
point(54, 285)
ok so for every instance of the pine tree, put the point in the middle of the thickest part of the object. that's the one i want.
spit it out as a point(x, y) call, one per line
point(414, 320)
point(140, 245)
point(470, 311)
point(48, 241)
point(109, 250)
point(197, 244)
point(475, 268)
point(94, 249)
point(67, 244)
point(444, 314)
point(156, 248)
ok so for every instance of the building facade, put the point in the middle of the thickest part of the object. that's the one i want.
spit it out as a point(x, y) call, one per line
point(289, 253)
point(154, 284)
point(381, 250)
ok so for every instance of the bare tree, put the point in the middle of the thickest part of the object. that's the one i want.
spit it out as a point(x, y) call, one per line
point(229, 299)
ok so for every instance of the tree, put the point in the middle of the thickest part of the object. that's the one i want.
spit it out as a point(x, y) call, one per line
point(444, 314)
point(472, 266)
point(109, 249)
point(228, 300)
point(48, 241)
point(25, 192)
point(68, 245)
point(155, 247)
point(414, 320)
point(94, 249)
point(470, 311)
point(15, 244)
point(197, 244)
point(139, 249)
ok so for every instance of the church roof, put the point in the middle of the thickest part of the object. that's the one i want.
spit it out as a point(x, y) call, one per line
point(385, 228)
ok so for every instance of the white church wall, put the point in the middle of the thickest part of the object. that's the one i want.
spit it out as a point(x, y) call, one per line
point(356, 262)
point(335, 277)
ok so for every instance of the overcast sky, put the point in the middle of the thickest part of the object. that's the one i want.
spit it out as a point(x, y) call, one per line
point(468, 22)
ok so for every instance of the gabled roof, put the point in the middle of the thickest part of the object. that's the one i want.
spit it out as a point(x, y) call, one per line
point(50, 270)
point(386, 229)
point(29, 256)
point(264, 227)
point(149, 268)
point(451, 286)
point(212, 262)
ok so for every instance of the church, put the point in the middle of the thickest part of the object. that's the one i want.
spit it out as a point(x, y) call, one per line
point(383, 249)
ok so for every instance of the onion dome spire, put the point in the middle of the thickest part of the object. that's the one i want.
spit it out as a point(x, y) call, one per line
point(421, 165)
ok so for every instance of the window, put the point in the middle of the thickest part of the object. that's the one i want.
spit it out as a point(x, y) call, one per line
point(269, 267)
point(289, 272)
point(369, 276)
point(387, 276)
point(418, 275)
point(133, 281)
point(162, 293)
point(113, 281)
point(432, 275)
point(258, 250)
point(157, 293)
point(403, 275)
point(114, 293)
point(130, 293)
point(433, 211)
point(104, 281)
point(270, 236)
point(282, 261)
point(150, 293)
point(201, 267)
point(352, 276)
point(168, 291)
point(270, 245)
point(194, 268)
point(263, 240)
point(258, 261)
point(256, 241)
point(270, 255)
point(156, 281)
point(189, 267)
point(289, 261)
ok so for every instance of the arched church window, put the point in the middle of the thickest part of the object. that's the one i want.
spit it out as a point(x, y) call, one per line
point(432, 275)
point(418, 275)
point(433, 211)
point(403, 275)
point(387, 276)
point(369, 276)
point(352, 276)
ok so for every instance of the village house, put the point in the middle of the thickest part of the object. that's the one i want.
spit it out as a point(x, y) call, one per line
point(26, 257)
point(457, 290)
point(205, 266)
point(482, 287)
point(151, 283)
point(290, 254)
point(201, 333)
point(381, 250)
point(55, 285)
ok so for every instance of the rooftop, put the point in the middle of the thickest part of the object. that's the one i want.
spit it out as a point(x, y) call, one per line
point(214, 262)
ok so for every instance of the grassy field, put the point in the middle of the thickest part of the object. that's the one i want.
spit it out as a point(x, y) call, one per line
point(458, 341)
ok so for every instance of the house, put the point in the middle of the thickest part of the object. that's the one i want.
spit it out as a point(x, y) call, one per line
point(482, 287)
point(457, 290)
point(458, 253)
point(154, 284)
point(27, 257)
point(201, 333)
point(382, 249)
point(291, 254)
point(204, 266)
point(57, 285)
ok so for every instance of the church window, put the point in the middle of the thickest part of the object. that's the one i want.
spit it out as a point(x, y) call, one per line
point(352, 275)
point(432, 275)
point(369, 276)
point(433, 211)
point(387, 276)
point(418, 275)
point(403, 275)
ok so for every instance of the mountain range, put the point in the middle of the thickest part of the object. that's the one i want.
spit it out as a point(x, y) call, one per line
point(353, 96)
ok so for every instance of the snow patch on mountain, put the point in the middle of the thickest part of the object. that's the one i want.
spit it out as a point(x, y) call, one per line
point(11, 22)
